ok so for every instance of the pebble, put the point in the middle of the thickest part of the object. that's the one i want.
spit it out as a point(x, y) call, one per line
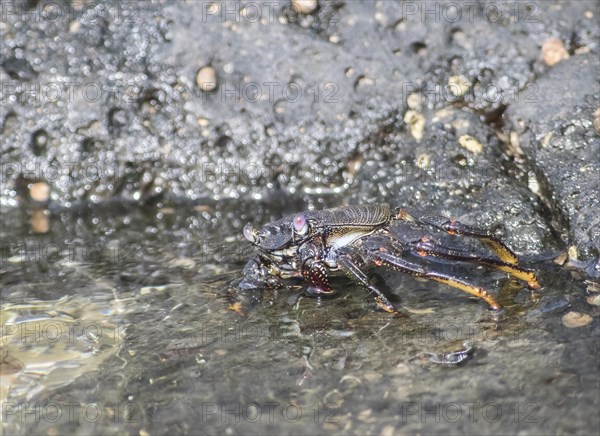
point(471, 144)
point(554, 51)
point(573, 252)
point(423, 161)
point(304, 6)
point(364, 81)
point(350, 381)
point(183, 262)
point(416, 123)
point(576, 319)
point(206, 79)
point(40, 221)
point(594, 300)
point(458, 85)
point(388, 430)
point(546, 139)
point(39, 191)
point(20, 258)
point(592, 286)
point(372, 376)
point(366, 415)
point(414, 101)
point(534, 184)
point(151, 289)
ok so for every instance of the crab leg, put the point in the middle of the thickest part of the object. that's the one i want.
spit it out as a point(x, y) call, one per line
point(347, 262)
point(454, 227)
point(426, 249)
point(385, 258)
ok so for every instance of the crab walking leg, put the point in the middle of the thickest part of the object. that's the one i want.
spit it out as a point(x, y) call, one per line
point(393, 261)
point(454, 227)
point(426, 249)
point(347, 264)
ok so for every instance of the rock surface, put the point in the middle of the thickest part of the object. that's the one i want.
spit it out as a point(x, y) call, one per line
point(101, 102)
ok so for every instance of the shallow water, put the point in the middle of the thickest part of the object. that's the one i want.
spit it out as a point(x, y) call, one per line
point(123, 320)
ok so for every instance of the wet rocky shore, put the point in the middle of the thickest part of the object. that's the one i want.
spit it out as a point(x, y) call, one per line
point(137, 140)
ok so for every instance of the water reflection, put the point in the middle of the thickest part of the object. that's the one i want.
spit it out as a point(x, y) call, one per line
point(123, 320)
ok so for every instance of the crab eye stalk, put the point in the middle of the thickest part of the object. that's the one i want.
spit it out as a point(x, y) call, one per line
point(300, 224)
point(249, 233)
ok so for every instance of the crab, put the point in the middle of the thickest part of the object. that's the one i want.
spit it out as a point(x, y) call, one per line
point(312, 244)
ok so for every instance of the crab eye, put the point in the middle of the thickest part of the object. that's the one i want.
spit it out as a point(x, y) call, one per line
point(300, 224)
point(249, 233)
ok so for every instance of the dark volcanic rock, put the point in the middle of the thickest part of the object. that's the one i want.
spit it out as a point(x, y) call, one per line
point(305, 104)
point(556, 133)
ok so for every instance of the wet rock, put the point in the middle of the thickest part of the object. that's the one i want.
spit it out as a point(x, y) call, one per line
point(477, 189)
point(553, 130)
point(288, 105)
point(550, 304)
point(576, 319)
point(547, 306)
